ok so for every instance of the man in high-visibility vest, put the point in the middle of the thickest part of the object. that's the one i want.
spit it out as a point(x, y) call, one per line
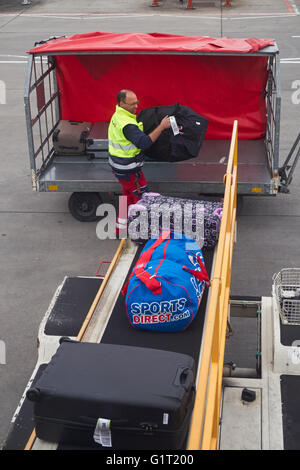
point(126, 145)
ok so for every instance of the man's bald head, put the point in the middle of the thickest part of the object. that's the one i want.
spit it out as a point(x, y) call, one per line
point(127, 99)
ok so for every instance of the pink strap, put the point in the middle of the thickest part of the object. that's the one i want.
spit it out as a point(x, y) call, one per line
point(139, 269)
point(200, 275)
point(148, 279)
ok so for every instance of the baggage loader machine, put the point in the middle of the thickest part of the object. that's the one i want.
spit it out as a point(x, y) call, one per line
point(236, 407)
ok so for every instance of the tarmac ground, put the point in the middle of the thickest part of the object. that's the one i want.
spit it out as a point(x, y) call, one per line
point(40, 242)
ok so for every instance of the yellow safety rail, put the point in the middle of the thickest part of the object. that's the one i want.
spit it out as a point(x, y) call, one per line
point(205, 420)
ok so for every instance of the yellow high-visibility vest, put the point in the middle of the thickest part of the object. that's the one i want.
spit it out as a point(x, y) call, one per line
point(118, 145)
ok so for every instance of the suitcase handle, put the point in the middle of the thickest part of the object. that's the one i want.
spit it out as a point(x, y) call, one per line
point(184, 377)
point(55, 135)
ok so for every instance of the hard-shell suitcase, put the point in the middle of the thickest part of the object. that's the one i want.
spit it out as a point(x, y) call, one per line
point(114, 396)
point(69, 137)
point(97, 140)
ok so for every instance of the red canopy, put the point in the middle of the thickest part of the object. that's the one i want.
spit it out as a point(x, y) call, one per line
point(100, 41)
point(222, 87)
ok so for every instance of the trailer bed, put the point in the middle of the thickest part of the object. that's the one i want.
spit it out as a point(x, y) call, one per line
point(203, 174)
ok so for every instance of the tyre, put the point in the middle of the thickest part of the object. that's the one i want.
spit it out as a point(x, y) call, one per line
point(83, 206)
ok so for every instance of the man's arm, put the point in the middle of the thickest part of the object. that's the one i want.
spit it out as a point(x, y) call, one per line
point(142, 140)
point(165, 124)
point(137, 137)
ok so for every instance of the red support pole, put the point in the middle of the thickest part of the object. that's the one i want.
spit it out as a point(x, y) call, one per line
point(155, 3)
point(227, 3)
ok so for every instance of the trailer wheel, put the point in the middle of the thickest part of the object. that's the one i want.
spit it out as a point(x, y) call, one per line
point(83, 206)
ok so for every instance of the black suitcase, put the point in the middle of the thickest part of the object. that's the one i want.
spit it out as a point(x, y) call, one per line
point(170, 146)
point(69, 137)
point(114, 397)
point(97, 140)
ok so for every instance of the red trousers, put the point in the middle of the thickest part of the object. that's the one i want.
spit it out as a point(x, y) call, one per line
point(133, 186)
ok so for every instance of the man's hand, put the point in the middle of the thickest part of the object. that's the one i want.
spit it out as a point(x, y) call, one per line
point(165, 123)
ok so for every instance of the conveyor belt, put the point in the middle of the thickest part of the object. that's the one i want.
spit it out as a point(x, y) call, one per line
point(119, 330)
point(289, 334)
point(290, 393)
point(71, 306)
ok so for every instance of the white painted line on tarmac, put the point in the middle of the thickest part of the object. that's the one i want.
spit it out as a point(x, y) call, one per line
point(10, 58)
point(292, 60)
point(189, 16)
point(277, 15)
point(13, 61)
point(14, 56)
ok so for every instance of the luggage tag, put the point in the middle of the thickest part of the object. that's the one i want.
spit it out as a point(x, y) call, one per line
point(174, 125)
point(102, 432)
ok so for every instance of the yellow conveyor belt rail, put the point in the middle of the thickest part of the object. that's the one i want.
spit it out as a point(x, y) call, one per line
point(205, 419)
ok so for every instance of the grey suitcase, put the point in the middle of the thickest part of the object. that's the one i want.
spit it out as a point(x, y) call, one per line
point(69, 137)
point(97, 140)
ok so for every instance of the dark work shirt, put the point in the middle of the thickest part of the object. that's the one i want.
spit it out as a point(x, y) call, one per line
point(137, 137)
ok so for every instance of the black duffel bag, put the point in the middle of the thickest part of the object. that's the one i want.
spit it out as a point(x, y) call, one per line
point(169, 147)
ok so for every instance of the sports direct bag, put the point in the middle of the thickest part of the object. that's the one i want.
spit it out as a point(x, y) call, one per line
point(166, 286)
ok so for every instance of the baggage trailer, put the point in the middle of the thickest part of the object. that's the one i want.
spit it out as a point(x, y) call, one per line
point(77, 78)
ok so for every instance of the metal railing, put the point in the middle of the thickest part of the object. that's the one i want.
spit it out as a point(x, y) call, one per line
point(41, 111)
point(273, 103)
point(204, 429)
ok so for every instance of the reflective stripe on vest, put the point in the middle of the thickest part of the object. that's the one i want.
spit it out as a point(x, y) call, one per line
point(129, 166)
point(122, 147)
point(118, 144)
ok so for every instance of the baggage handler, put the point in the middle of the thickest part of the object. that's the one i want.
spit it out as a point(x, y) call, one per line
point(126, 145)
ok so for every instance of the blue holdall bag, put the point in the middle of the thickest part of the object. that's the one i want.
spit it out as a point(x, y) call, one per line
point(165, 288)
